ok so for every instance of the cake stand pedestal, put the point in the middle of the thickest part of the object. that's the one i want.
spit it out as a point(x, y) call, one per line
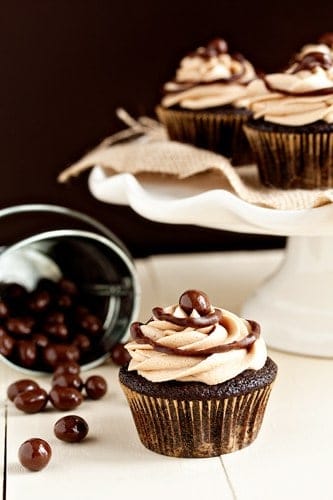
point(295, 305)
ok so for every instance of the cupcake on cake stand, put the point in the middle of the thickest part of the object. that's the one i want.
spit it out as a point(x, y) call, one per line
point(295, 305)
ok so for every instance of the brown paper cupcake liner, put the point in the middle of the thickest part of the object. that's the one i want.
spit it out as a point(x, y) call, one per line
point(218, 131)
point(292, 160)
point(197, 429)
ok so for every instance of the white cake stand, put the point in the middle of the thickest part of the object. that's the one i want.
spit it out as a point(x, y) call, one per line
point(295, 305)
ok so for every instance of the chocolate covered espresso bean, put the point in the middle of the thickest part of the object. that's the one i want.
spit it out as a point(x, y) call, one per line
point(40, 339)
point(65, 398)
point(32, 401)
point(39, 301)
point(119, 355)
point(55, 317)
point(91, 324)
point(56, 354)
point(7, 344)
point(34, 454)
point(26, 351)
point(22, 385)
point(64, 301)
point(95, 386)
point(58, 331)
point(68, 380)
point(3, 309)
point(67, 286)
point(20, 325)
point(71, 429)
point(82, 341)
point(70, 367)
point(194, 299)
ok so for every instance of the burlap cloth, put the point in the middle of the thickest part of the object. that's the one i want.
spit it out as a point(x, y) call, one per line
point(144, 147)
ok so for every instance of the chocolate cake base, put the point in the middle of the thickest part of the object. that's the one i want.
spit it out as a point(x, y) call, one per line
point(318, 126)
point(194, 420)
point(245, 382)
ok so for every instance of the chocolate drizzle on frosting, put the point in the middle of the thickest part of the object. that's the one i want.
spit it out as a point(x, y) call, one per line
point(207, 317)
point(244, 343)
point(214, 48)
point(312, 60)
point(311, 93)
point(201, 322)
point(308, 62)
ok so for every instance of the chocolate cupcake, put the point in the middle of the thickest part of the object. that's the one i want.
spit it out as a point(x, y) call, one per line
point(291, 132)
point(199, 379)
point(200, 105)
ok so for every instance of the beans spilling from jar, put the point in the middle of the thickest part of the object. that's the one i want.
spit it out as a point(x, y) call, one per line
point(48, 326)
point(52, 329)
point(67, 391)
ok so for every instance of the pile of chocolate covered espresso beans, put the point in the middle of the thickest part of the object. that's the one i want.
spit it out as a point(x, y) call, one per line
point(65, 394)
point(50, 325)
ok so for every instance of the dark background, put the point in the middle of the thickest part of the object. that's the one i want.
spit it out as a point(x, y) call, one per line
point(66, 65)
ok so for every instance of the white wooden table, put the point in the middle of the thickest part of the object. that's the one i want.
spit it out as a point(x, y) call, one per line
point(291, 458)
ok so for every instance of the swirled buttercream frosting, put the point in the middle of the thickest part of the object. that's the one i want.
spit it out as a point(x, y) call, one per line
point(209, 77)
point(194, 341)
point(300, 95)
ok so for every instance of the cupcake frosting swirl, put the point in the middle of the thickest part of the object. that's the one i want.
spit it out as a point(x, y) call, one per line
point(209, 77)
point(300, 95)
point(193, 341)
